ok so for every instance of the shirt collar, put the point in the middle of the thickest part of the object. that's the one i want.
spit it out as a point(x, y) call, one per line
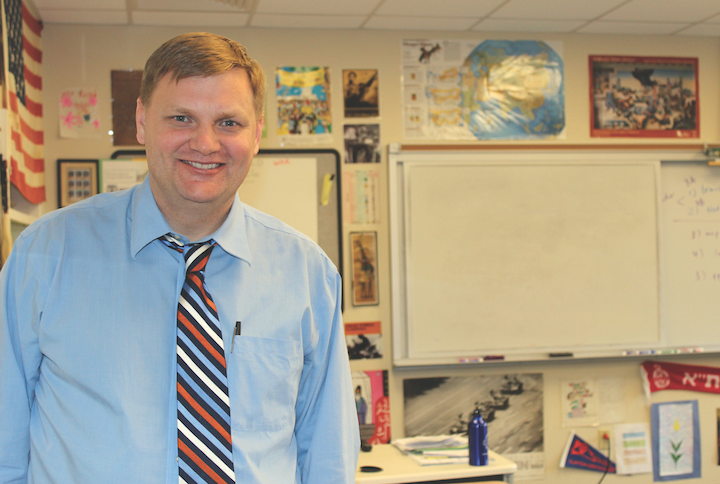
point(147, 223)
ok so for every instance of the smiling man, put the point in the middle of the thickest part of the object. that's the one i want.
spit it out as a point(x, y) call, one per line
point(170, 333)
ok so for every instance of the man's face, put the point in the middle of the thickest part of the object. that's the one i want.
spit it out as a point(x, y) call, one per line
point(200, 135)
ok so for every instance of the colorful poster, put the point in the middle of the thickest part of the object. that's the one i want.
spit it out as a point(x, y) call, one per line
point(373, 405)
point(79, 117)
point(489, 90)
point(511, 404)
point(303, 97)
point(645, 97)
point(675, 440)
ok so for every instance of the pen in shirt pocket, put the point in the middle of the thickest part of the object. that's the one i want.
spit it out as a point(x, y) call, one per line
point(235, 333)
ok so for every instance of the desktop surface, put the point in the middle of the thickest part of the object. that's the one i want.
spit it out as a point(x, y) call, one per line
point(398, 468)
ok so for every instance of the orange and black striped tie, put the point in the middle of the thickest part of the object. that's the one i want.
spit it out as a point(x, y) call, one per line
point(203, 414)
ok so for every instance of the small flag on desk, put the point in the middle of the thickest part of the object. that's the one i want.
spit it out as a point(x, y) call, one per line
point(581, 455)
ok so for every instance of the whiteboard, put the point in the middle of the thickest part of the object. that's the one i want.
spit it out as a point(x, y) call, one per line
point(690, 253)
point(285, 188)
point(528, 255)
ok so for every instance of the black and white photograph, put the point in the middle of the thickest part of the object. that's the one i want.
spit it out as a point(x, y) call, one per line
point(511, 404)
point(362, 143)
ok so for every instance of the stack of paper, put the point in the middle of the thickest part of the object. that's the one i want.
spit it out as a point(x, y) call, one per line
point(433, 450)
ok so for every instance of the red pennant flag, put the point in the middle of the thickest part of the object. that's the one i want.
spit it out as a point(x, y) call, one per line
point(660, 375)
point(581, 455)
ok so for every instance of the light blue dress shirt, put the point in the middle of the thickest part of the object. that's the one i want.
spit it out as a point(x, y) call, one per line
point(87, 349)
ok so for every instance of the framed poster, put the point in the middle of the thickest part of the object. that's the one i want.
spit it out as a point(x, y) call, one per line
point(364, 268)
point(77, 180)
point(644, 97)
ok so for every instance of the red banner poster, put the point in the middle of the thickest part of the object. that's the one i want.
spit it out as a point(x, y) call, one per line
point(660, 375)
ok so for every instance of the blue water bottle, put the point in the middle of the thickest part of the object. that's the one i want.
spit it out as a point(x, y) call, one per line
point(477, 439)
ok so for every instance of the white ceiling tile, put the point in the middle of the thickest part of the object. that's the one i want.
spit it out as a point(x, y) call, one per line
point(555, 9)
point(81, 4)
point(317, 7)
point(419, 23)
point(503, 25)
point(702, 29)
point(189, 19)
point(186, 6)
point(307, 21)
point(433, 8)
point(665, 11)
point(631, 28)
point(93, 17)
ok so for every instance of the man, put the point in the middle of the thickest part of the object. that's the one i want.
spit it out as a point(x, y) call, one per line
point(97, 383)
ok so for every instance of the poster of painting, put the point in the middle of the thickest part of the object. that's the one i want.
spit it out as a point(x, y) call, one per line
point(79, 117)
point(360, 93)
point(511, 404)
point(373, 405)
point(487, 90)
point(362, 143)
point(303, 98)
point(364, 268)
point(648, 97)
point(364, 340)
point(675, 440)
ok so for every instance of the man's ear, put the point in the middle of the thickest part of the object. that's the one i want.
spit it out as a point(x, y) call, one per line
point(258, 134)
point(140, 122)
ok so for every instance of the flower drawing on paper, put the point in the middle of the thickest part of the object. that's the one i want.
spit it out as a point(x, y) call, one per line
point(66, 100)
point(577, 398)
point(676, 454)
point(71, 119)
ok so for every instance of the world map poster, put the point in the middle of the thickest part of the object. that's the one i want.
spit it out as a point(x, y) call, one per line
point(487, 90)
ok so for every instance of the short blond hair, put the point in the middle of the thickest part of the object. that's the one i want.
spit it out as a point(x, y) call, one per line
point(201, 54)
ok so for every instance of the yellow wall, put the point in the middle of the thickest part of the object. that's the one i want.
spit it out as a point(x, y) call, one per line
point(78, 56)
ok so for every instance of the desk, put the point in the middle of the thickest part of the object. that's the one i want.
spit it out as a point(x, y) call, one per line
point(398, 468)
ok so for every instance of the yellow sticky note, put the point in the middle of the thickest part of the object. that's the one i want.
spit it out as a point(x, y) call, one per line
point(327, 186)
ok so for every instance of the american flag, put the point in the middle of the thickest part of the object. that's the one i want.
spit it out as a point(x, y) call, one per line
point(27, 162)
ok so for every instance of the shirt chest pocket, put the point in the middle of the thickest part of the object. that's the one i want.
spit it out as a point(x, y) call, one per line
point(263, 379)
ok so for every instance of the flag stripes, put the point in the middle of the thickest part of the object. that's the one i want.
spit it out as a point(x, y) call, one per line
point(26, 151)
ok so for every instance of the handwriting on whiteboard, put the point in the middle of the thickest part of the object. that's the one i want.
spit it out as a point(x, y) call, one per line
point(692, 208)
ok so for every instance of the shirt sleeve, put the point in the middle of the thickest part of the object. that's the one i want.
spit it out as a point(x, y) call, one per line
point(19, 364)
point(326, 427)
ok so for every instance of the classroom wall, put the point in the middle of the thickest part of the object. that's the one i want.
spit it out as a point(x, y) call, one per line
point(79, 56)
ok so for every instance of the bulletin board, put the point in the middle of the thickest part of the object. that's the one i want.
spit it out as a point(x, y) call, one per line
point(524, 255)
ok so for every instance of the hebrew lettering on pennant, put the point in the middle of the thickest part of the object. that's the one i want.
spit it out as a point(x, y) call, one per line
point(712, 378)
point(689, 379)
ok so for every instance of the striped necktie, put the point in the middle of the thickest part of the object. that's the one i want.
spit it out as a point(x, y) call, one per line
point(203, 413)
